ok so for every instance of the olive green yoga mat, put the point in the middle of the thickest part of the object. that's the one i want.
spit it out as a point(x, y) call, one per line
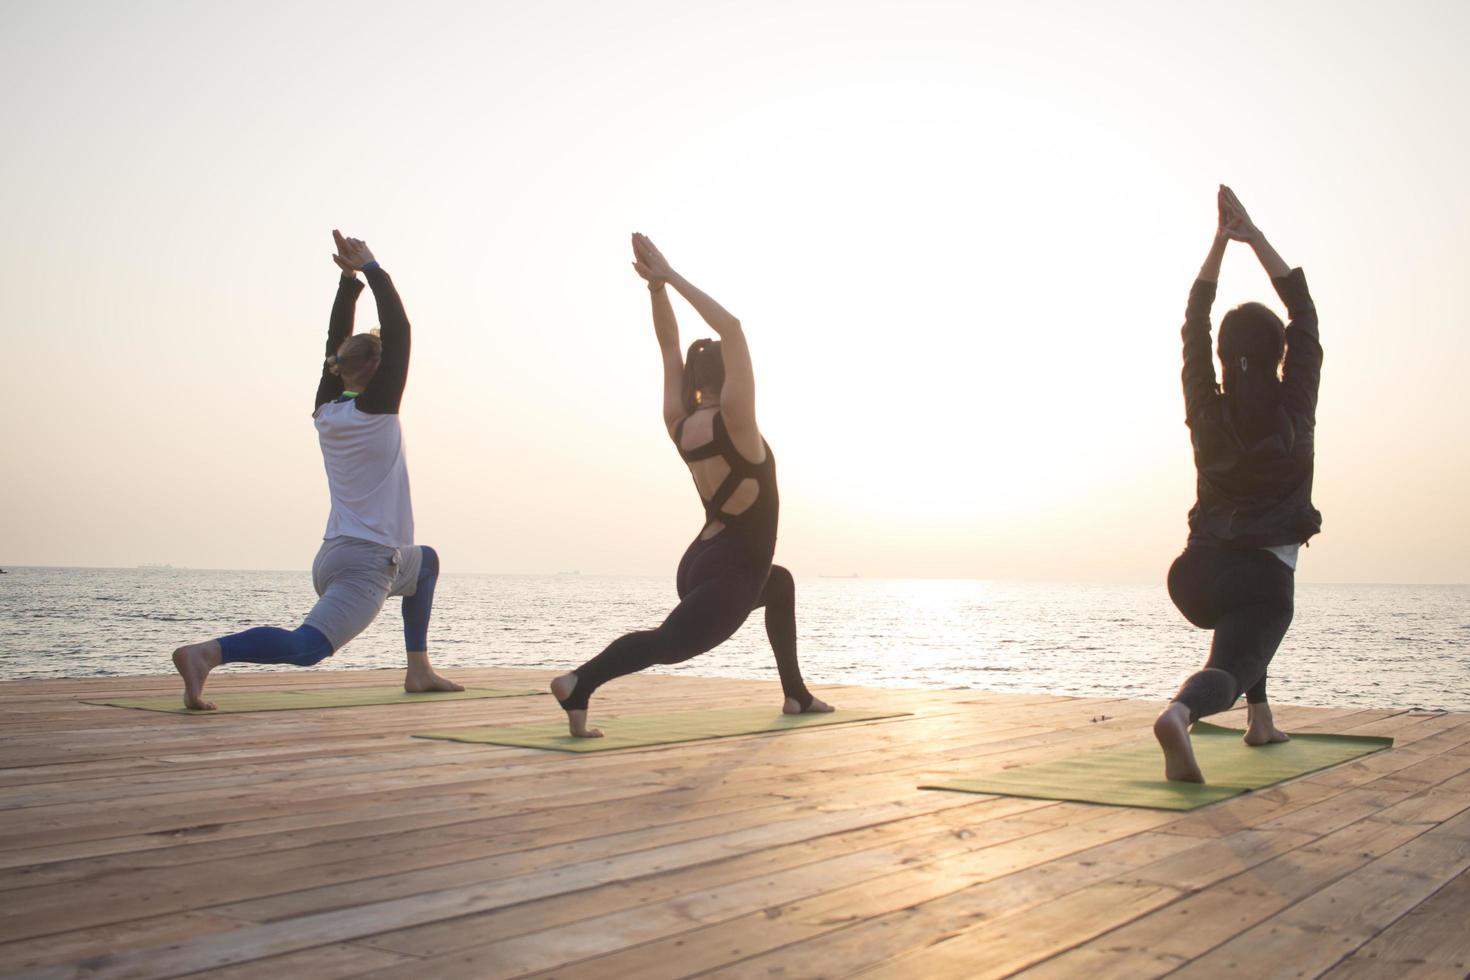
point(641, 730)
point(1134, 775)
point(332, 697)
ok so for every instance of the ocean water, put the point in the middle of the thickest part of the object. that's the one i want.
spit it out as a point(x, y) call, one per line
point(1350, 645)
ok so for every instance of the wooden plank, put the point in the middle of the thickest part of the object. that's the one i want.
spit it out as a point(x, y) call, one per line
point(299, 883)
point(1431, 937)
point(365, 915)
point(1014, 875)
point(1023, 939)
point(135, 934)
point(328, 843)
point(769, 938)
point(925, 864)
point(1222, 905)
point(1333, 921)
point(963, 824)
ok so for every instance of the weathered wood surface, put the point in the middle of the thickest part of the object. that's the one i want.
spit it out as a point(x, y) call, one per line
point(327, 843)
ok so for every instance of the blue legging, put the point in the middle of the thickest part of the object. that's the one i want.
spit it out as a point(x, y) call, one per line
point(417, 607)
point(307, 645)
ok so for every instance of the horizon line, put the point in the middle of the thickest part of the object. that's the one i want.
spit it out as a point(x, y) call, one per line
point(849, 576)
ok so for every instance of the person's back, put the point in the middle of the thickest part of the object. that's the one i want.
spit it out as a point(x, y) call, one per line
point(1254, 441)
point(739, 496)
point(367, 474)
point(726, 571)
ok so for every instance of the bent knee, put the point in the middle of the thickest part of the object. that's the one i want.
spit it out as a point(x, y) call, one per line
point(430, 560)
point(780, 584)
point(310, 646)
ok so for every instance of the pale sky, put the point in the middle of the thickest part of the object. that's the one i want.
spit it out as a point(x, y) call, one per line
point(960, 237)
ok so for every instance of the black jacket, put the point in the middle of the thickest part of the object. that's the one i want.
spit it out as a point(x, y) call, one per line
point(1257, 495)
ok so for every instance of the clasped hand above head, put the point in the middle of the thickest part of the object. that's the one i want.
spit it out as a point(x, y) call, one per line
point(352, 253)
point(649, 262)
point(1235, 223)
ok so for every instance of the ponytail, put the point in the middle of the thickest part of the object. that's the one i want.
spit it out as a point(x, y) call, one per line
point(704, 374)
point(1251, 348)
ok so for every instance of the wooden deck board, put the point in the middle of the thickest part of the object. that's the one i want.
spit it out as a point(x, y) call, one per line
point(328, 842)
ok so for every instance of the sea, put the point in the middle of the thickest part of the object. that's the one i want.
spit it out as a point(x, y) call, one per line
point(1382, 646)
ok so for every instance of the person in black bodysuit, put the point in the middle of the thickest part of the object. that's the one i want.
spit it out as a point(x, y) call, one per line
point(1253, 451)
point(709, 411)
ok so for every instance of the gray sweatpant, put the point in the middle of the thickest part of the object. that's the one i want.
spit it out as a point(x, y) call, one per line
point(354, 578)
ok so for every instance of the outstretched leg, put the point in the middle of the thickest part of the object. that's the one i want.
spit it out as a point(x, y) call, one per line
point(707, 616)
point(779, 598)
point(301, 647)
point(417, 609)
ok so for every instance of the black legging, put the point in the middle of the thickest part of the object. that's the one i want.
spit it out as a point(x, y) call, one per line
point(719, 585)
point(1246, 598)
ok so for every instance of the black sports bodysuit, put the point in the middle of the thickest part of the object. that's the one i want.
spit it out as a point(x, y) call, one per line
point(721, 579)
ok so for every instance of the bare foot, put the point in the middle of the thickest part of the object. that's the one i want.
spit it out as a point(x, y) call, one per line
point(417, 682)
point(577, 724)
point(1171, 728)
point(421, 676)
point(561, 689)
point(817, 707)
point(1261, 728)
point(194, 662)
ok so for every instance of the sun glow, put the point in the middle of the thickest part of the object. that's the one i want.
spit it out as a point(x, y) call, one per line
point(960, 238)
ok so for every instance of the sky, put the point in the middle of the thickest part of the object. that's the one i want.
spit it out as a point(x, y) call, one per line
point(959, 236)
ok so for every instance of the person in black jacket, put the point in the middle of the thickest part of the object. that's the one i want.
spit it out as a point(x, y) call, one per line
point(1253, 442)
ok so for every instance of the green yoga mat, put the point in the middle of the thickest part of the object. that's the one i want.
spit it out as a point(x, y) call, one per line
point(641, 730)
point(334, 697)
point(1134, 775)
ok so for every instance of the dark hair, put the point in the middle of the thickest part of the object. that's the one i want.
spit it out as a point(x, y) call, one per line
point(704, 373)
point(1251, 347)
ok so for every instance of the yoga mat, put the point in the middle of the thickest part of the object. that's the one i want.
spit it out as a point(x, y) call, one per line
point(237, 702)
point(641, 730)
point(1134, 775)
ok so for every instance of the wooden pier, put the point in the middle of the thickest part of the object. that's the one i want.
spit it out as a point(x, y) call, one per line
point(328, 843)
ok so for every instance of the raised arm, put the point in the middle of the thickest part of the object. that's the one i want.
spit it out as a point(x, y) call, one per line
point(1236, 223)
point(737, 396)
point(385, 391)
point(649, 263)
point(1200, 386)
point(1209, 271)
point(1302, 373)
point(339, 328)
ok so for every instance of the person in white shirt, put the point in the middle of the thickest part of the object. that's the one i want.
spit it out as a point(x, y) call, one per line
point(367, 552)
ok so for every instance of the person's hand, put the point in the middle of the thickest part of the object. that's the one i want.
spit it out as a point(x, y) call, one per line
point(1235, 223)
point(649, 262)
point(348, 272)
point(352, 253)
